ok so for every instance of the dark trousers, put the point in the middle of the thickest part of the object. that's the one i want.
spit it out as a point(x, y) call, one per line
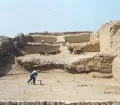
point(32, 78)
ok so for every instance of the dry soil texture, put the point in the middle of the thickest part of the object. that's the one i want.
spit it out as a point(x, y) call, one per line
point(59, 85)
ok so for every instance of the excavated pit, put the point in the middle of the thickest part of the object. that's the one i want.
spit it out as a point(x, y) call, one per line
point(66, 78)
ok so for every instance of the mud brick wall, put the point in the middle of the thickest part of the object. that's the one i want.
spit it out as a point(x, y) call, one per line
point(46, 38)
point(92, 47)
point(35, 49)
point(116, 68)
point(77, 38)
point(87, 46)
point(98, 63)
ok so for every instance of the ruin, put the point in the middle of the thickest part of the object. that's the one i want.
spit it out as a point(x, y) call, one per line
point(94, 55)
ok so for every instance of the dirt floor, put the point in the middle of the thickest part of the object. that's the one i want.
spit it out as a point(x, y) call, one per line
point(59, 85)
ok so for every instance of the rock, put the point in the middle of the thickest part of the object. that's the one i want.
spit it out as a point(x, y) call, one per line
point(21, 40)
point(6, 45)
point(6, 54)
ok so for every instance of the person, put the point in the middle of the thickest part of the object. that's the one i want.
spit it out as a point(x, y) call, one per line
point(42, 41)
point(33, 76)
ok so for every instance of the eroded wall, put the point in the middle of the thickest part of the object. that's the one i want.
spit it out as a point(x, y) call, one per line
point(105, 39)
point(77, 38)
point(109, 34)
point(46, 38)
point(92, 47)
point(35, 49)
point(116, 68)
point(94, 36)
point(72, 37)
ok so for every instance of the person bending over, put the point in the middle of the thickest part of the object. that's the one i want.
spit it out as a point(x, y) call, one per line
point(33, 76)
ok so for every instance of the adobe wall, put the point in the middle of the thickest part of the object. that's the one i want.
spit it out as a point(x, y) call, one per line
point(100, 62)
point(92, 47)
point(115, 37)
point(109, 37)
point(72, 38)
point(46, 38)
point(77, 38)
point(109, 34)
point(96, 62)
point(60, 37)
point(94, 37)
point(58, 33)
point(116, 68)
point(105, 39)
point(35, 49)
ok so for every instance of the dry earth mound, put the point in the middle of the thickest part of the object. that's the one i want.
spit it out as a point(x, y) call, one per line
point(6, 45)
point(6, 54)
point(97, 62)
point(109, 35)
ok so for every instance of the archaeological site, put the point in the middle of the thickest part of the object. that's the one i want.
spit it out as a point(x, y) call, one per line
point(76, 68)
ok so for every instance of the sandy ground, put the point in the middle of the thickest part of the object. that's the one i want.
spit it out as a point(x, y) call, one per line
point(59, 85)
